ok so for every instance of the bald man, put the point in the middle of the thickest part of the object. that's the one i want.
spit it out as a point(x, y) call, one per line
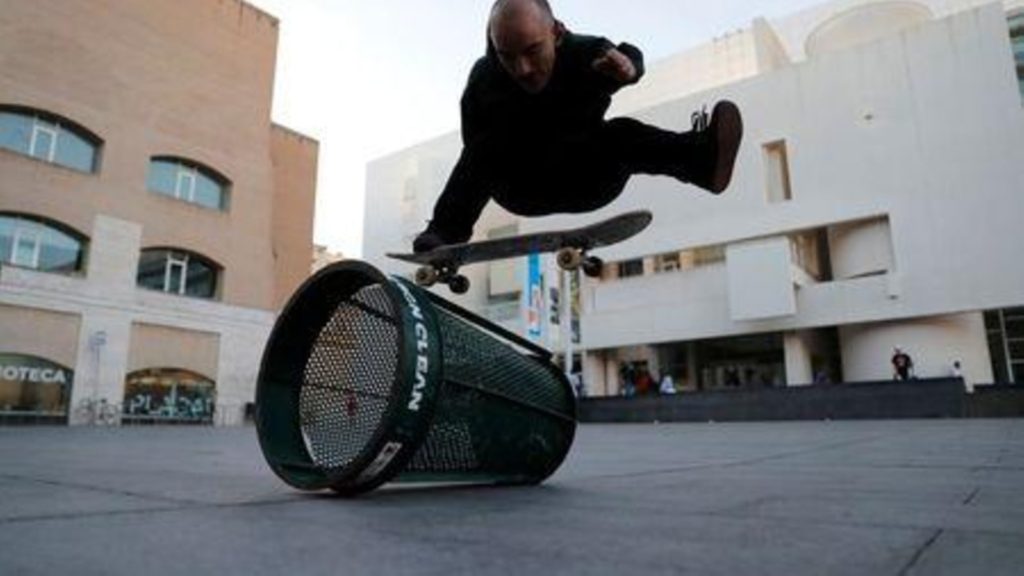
point(534, 135)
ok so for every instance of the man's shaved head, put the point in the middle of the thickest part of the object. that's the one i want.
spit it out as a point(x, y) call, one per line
point(524, 34)
point(505, 8)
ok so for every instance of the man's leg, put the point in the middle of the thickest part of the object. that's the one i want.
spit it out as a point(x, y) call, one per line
point(586, 171)
point(528, 179)
point(571, 173)
point(461, 202)
point(704, 156)
point(559, 186)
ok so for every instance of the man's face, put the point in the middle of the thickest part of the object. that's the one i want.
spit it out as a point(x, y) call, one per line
point(525, 41)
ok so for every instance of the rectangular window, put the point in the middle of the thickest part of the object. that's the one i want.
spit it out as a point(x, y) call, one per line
point(201, 280)
point(153, 270)
point(1005, 330)
point(26, 248)
point(174, 280)
point(1016, 347)
point(1000, 364)
point(185, 188)
point(207, 193)
point(60, 253)
point(44, 141)
point(667, 262)
point(75, 152)
point(15, 132)
point(633, 267)
point(776, 160)
point(162, 177)
point(409, 191)
point(1014, 327)
point(709, 255)
point(6, 239)
point(1016, 23)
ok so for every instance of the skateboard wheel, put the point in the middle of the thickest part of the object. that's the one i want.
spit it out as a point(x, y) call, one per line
point(569, 259)
point(459, 284)
point(592, 266)
point(426, 276)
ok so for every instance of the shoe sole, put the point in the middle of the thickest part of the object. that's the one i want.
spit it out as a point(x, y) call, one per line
point(729, 134)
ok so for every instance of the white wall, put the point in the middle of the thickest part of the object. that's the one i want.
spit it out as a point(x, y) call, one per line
point(933, 344)
point(760, 279)
point(860, 248)
point(724, 60)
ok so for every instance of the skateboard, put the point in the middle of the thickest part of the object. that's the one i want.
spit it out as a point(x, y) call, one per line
point(572, 247)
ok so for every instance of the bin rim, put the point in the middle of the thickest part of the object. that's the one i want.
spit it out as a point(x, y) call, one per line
point(405, 420)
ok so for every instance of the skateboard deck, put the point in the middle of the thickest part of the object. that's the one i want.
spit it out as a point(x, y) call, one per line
point(442, 263)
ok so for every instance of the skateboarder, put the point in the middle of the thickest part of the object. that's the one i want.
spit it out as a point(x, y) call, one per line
point(534, 135)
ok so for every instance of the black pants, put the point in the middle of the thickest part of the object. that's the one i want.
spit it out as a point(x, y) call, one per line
point(567, 173)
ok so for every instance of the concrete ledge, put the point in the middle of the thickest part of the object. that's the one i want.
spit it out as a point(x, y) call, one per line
point(931, 398)
point(997, 401)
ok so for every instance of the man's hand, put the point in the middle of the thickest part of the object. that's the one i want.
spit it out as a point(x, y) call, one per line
point(616, 65)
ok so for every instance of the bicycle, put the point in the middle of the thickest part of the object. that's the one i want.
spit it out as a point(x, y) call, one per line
point(98, 412)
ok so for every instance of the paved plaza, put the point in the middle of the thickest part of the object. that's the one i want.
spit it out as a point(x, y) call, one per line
point(865, 497)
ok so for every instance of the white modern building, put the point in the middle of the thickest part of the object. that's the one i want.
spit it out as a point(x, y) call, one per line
point(876, 204)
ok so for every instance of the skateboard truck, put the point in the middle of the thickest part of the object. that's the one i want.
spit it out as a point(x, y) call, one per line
point(571, 259)
point(428, 275)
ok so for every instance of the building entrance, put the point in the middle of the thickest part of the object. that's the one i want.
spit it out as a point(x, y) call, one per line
point(33, 390)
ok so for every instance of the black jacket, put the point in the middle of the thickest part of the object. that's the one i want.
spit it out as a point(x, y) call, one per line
point(575, 99)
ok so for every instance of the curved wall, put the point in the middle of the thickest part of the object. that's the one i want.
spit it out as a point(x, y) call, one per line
point(863, 24)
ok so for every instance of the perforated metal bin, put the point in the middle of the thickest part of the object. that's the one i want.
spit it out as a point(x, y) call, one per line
point(367, 379)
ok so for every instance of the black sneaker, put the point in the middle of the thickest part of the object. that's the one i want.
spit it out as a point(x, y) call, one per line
point(721, 142)
point(427, 241)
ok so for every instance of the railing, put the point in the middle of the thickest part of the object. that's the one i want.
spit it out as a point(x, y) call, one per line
point(924, 398)
point(232, 414)
point(39, 417)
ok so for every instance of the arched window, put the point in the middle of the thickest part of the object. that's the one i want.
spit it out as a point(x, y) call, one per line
point(168, 394)
point(178, 272)
point(40, 244)
point(48, 137)
point(189, 181)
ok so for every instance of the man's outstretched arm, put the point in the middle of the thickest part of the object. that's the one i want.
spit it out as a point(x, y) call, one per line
point(624, 64)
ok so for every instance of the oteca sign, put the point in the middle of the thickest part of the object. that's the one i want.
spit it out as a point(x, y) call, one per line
point(14, 372)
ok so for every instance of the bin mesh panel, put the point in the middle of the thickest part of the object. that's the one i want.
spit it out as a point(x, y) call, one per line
point(480, 360)
point(491, 392)
point(348, 378)
point(448, 446)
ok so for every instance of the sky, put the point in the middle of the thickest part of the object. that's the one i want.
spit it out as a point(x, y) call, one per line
point(367, 78)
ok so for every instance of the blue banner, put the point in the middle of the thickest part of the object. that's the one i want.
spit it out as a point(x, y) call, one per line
point(535, 297)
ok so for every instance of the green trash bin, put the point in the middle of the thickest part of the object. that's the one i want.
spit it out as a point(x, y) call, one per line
point(368, 379)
